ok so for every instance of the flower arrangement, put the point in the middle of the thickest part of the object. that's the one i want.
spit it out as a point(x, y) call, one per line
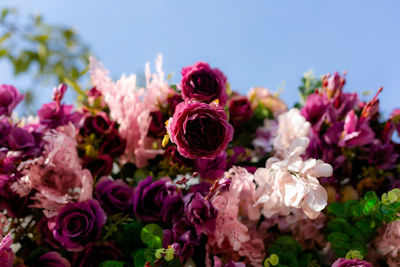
point(195, 174)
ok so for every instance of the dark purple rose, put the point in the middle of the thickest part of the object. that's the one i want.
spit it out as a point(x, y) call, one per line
point(239, 110)
point(94, 254)
point(113, 145)
point(203, 84)
point(157, 125)
point(53, 115)
point(100, 166)
point(99, 124)
point(46, 235)
point(5, 128)
point(381, 155)
point(20, 139)
point(173, 101)
point(200, 213)
point(77, 224)
point(342, 262)
point(51, 259)
point(9, 99)
point(211, 168)
point(114, 196)
point(200, 130)
point(154, 201)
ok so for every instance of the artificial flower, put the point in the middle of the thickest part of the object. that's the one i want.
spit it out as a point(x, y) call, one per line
point(202, 83)
point(78, 224)
point(9, 99)
point(200, 130)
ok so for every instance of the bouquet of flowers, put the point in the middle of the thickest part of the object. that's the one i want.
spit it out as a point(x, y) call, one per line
point(196, 174)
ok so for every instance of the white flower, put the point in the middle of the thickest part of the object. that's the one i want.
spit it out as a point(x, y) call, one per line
point(291, 125)
point(291, 183)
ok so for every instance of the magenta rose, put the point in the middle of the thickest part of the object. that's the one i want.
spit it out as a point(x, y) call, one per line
point(99, 124)
point(200, 130)
point(203, 84)
point(113, 144)
point(157, 124)
point(156, 201)
point(173, 101)
point(52, 259)
point(342, 262)
point(100, 166)
point(78, 224)
point(9, 99)
point(114, 196)
point(239, 110)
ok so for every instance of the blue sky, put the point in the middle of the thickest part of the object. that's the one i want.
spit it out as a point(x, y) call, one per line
point(255, 43)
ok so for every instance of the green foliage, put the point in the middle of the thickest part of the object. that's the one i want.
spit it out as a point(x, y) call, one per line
point(288, 252)
point(112, 264)
point(272, 260)
point(42, 51)
point(129, 237)
point(167, 254)
point(309, 83)
point(261, 113)
point(152, 235)
point(354, 223)
point(354, 254)
point(114, 224)
point(141, 256)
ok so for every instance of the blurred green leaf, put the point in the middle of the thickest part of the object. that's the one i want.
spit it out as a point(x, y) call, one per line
point(112, 264)
point(152, 235)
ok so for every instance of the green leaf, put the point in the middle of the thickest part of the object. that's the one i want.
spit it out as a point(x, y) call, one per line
point(5, 37)
point(139, 258)
point(3, 52)
point(152, 235)
point(288, 244)
point(340, 243)
point(338, 225)
point(4, 13)
point(261, 112)
point(40, 38)
point(337, 209)
point(371, 202)
point(112, 264)
point(130, 239)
